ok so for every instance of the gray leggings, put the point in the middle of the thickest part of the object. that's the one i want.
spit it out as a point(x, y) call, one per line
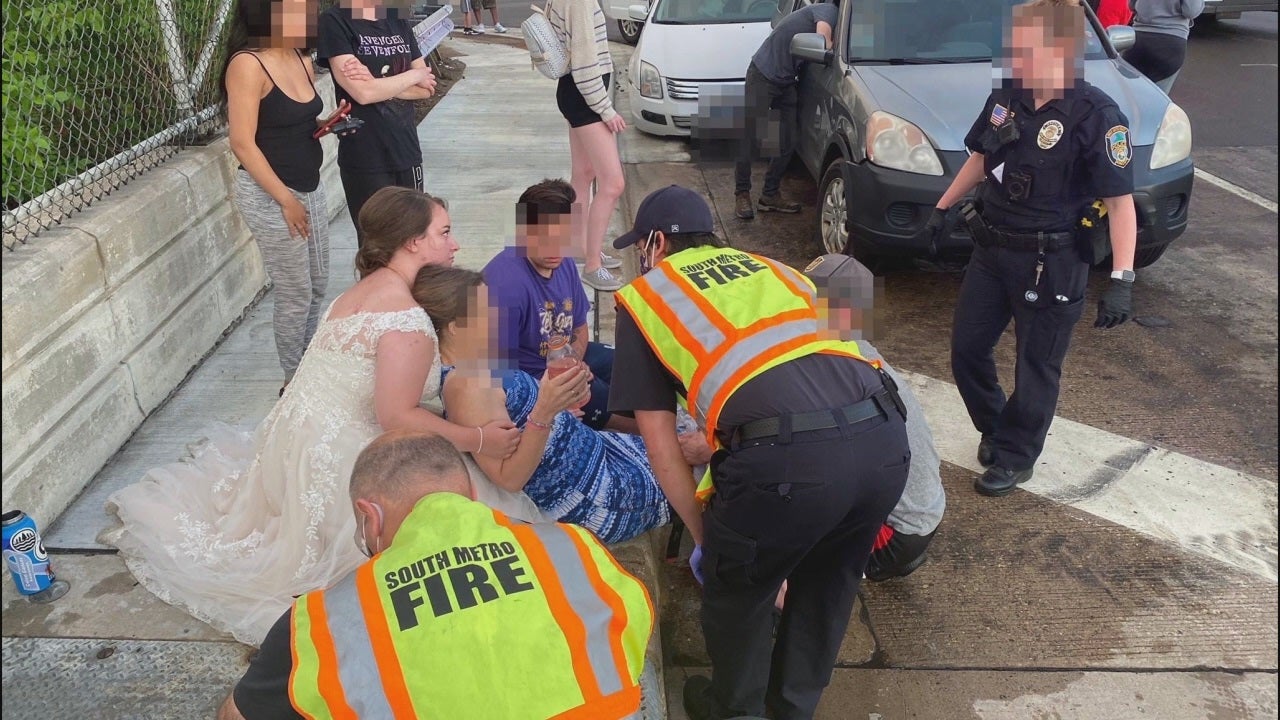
point(299, 269)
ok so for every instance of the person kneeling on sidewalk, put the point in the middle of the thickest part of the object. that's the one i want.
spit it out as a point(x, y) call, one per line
point(846, 298)
point(411, 632)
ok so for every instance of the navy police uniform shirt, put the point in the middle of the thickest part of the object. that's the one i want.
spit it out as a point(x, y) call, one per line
point(1068, 153)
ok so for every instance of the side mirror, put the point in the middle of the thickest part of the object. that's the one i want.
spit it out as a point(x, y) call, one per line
point(639, 13)
point(1122, 37)
point(811, 47)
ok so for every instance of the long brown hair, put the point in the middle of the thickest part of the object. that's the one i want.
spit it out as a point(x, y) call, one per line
point(445, 292)
point(391, 217)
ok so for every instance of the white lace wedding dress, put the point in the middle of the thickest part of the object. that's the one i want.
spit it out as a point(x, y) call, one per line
point(250, 520)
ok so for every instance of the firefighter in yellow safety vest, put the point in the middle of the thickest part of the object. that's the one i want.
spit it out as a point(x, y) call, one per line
point(811, 451)
point(461, 612)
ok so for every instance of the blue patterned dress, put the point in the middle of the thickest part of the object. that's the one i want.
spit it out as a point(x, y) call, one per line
point(601, 481)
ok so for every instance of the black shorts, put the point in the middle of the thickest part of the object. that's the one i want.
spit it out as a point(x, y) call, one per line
point(573, 106)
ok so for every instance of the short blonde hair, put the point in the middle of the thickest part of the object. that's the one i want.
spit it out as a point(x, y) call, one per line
point(1061, 19)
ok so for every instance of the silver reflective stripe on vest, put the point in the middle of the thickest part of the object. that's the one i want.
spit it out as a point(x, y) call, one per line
point(745, 352)
point(586, 604)
point(795, 277)
point(686, 311)
point(357, 667)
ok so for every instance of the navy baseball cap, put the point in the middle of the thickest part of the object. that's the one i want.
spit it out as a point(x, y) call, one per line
point(671, 210)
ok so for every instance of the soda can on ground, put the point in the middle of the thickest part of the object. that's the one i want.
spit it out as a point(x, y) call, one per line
point(27, 560)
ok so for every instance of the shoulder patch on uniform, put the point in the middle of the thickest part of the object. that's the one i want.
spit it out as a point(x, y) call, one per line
point(999, 114)
point(1118, 149)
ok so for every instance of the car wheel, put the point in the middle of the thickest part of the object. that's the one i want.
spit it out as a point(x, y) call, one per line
point(1148, 255)
point(630, 30)
point(833, 214)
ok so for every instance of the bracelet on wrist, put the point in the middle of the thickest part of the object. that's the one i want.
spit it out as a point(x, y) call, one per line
point(481, 431)
point(538, 424)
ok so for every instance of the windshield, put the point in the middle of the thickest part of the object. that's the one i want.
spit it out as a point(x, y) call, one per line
point(713, 12)
point(934, 31)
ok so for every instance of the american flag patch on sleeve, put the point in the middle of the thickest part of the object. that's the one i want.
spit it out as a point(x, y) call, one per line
point(999, 115)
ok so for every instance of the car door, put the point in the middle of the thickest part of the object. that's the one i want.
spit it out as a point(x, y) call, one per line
point(818, 86)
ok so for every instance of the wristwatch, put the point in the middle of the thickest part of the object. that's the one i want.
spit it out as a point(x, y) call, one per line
point(1123, 275)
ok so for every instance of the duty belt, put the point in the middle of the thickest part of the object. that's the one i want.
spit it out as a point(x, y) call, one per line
point(875, 406)
point(1042, 241)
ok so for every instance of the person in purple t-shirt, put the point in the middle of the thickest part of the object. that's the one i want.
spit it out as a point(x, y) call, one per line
point(540, 298)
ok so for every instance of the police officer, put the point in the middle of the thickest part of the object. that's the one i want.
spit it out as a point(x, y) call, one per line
point(1043, 151)
point(811, 452)
point(411, 633)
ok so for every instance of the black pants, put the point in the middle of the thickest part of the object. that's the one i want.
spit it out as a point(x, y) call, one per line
point(360, 186)
point(999, 285)
point(807, 512)
point(1157, 55)
point(767, 104)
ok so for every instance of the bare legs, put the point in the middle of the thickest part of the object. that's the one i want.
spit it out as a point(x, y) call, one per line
point(593, 153)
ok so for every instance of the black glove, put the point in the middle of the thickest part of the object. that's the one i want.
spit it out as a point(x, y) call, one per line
point(934, 229)
point(1116, 304)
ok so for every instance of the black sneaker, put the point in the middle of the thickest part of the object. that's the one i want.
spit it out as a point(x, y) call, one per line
point(697, 697)
point(986, 451)
point(776, 203)
point(998, 481)
point(899, 558)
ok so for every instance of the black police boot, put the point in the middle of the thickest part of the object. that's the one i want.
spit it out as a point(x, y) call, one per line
point(986, 451)
point(899, 558)
point(998, 481)
point(697, 697)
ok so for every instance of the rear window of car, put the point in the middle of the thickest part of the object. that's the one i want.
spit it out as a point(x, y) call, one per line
point(924, 31)
point(713, 12)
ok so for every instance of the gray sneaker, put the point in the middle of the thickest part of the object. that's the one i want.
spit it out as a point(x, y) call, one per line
point(610, 262)
point(602, 280)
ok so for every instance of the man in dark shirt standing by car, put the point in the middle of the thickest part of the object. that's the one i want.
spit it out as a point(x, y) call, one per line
point(1043, 152)
point(771, 87)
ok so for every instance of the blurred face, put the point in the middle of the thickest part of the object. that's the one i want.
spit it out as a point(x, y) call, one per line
point(548, 241)
point(294, 22)
point(436, 246)
point(1039, 61)
point(475, 335)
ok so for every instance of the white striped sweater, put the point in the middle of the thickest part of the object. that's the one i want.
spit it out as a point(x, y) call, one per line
point(580, 24)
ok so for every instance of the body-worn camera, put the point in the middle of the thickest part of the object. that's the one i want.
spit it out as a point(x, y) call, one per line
point(1017, 185)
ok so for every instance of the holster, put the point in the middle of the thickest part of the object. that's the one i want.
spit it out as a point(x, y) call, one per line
point(1093, 235)
point(977, 226)
point(891, 389)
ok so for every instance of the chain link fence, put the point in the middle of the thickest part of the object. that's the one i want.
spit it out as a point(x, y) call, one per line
point(95, 93)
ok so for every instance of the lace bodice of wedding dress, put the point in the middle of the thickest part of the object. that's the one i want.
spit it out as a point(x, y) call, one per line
point(232, 533)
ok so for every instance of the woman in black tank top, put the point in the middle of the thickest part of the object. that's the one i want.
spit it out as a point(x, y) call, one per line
point(272, 114)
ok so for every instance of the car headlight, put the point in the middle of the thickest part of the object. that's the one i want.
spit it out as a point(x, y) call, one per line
point(650, 82)
point(895, 143)
point(1173, 140)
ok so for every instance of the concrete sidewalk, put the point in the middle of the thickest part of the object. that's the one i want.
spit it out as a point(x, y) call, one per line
point(110, 649)
point(1039, 609)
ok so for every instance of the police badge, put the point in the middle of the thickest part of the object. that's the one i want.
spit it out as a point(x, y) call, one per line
point(1049, 135)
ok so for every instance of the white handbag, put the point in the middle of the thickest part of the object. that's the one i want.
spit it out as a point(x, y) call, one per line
point(549, 55)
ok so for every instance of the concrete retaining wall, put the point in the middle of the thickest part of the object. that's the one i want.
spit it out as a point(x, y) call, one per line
point(107, 313)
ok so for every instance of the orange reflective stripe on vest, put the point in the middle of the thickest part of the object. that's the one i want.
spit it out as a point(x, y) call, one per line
point(413, 632)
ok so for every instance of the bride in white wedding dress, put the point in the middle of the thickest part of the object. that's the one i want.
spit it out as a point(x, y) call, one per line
point(251, 520)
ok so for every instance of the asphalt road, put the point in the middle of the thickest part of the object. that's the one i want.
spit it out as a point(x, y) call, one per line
point(1201, 377)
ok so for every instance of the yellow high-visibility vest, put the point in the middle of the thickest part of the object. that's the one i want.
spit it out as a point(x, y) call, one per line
point(470, 614)
point(718, 317)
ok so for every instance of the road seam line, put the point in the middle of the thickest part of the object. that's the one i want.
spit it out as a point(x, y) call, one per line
point(1236, 190)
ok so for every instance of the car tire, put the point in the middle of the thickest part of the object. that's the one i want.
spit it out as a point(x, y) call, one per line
point(833, 215)
point(1148, 255)
point(630, 31)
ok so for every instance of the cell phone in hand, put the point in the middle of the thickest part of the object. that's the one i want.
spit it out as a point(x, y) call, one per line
point(346, 125)
point(342, 113)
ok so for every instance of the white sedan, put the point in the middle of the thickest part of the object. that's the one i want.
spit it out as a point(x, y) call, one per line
point(687, 72)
